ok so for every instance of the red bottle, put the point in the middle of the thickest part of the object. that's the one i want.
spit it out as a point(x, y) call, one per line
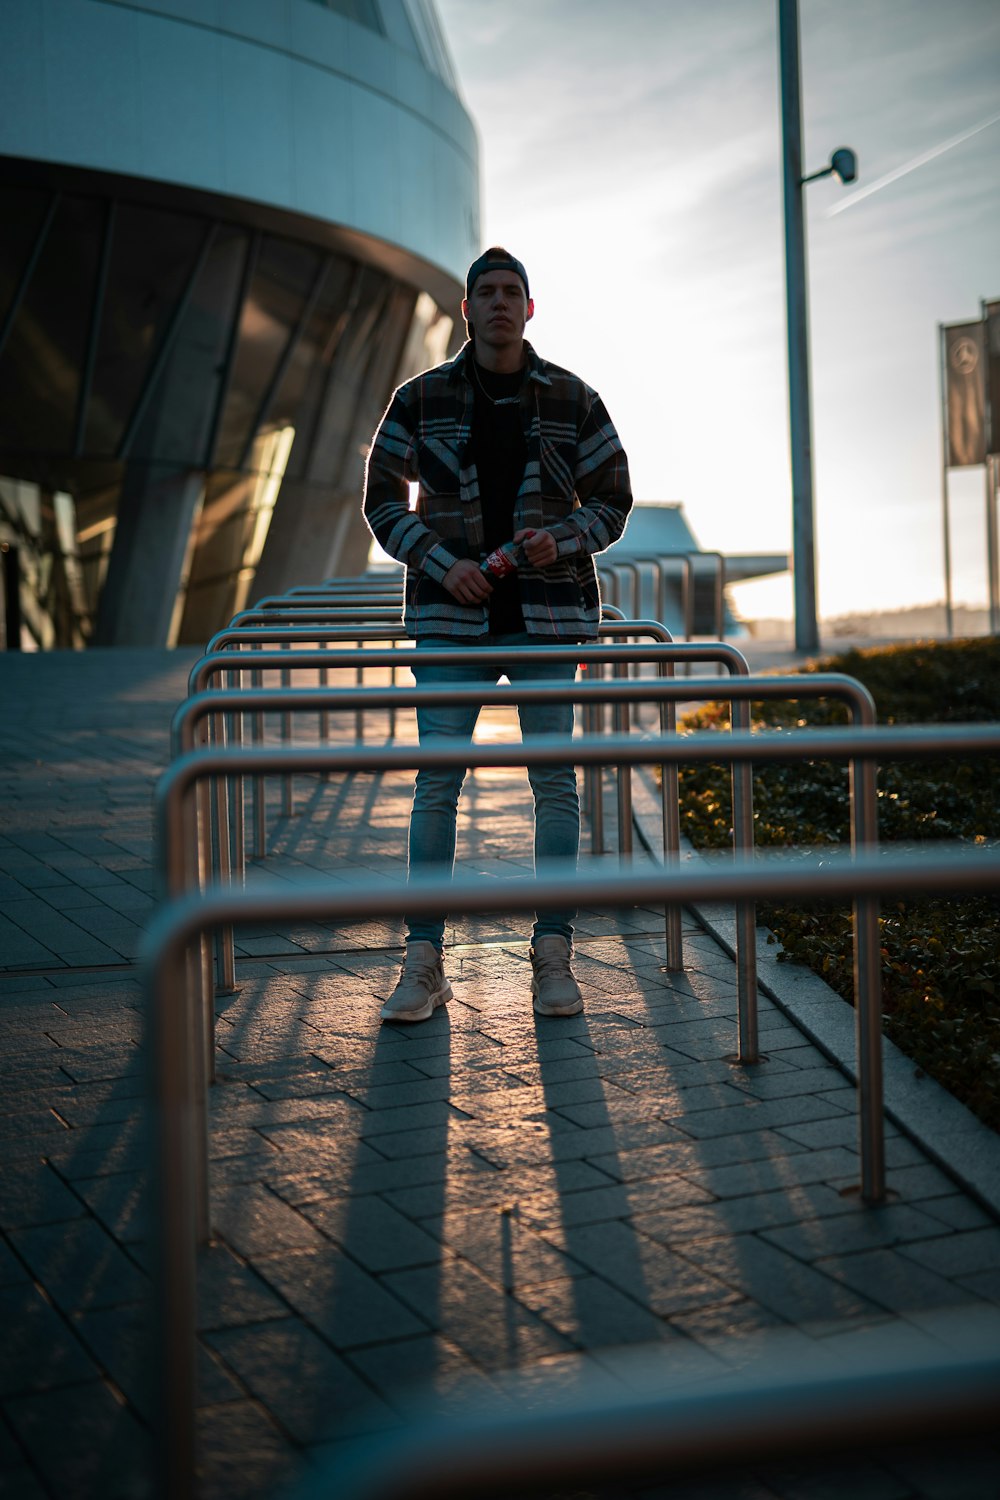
point(503, 560)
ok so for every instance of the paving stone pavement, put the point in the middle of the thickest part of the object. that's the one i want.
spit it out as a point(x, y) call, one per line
point(413, 1216)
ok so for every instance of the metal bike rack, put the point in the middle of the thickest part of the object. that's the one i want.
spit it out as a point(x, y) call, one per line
point(198, 710)
point(177, 1179)
point(859, 747)
point(732, 660)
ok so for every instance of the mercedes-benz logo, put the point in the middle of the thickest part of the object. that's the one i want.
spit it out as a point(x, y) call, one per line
point(964, 356)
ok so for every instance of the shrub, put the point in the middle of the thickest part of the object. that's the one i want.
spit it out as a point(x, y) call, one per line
point(940, 957)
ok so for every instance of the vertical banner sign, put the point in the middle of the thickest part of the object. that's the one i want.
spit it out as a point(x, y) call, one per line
point(965, 394)
point(991, 324)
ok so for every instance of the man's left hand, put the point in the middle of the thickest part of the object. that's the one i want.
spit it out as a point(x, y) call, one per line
point(539, 547)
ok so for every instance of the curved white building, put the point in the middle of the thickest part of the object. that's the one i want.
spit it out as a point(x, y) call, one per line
point(228, 228)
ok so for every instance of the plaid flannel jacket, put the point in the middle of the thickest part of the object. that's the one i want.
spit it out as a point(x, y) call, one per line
point(575, 485)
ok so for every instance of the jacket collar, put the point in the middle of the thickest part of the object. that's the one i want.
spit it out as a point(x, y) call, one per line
point(459, 367)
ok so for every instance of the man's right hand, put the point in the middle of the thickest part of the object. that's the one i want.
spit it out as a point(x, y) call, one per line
point(466, 583)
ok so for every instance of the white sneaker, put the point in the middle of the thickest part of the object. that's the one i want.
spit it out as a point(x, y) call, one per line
point(553, 984)
point(422, 985)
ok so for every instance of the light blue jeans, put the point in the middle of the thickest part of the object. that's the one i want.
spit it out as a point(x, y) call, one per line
point(435, 798)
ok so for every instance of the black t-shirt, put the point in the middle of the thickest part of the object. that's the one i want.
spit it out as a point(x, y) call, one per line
point(500, 451)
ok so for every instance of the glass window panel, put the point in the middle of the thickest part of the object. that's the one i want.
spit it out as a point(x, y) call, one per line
point(282, 280)
point(41, 365)
point(152, 256)
point(304, 380)
point(22, 213)
point(178, 420)
point(230, 536)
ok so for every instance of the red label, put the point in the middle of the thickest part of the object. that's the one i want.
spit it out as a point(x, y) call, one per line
point(499, 563)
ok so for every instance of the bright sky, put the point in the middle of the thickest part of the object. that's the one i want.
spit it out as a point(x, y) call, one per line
point(631, 157)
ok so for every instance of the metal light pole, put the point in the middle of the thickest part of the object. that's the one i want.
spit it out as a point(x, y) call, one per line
point(843, 164)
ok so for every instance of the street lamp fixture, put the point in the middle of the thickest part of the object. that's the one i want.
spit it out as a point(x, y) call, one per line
point(843, 165)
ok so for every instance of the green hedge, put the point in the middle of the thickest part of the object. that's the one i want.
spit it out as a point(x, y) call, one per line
point(940, 958)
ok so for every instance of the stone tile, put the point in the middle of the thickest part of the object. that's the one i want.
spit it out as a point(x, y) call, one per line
point(231, 1293)
point(254, 1220)
point(118, 1338)
point(647, 1272)
point(921, 1181)
point(891, 1279)
point(102, 1451)
point(310, 1390)
point(424, 1375)
point(835, 1165)
point(957, 1211)
point(682, 1154)
point(728, 1327)
point(660, 1369)
point(814, 1203)
point(590, 1312)
point(120, 1202)
point(403, 1090)
point(80, 1265)
point(589, 1205)
point(37, 1351)
point(240, 1451)
point(34, 1194)
point(867, 1228)
point(373, 1174)
point(771, 1115)
point(960, 1254)
point(337, 1297)
point(504, 1248)
point(790, 1081)
point(414, 1118)
point(19, 949)
point(487, 1323)
point(12, 1269)
point(800, 1294)
point(94, 1064)
point(985, 1284)
point(374, 1233)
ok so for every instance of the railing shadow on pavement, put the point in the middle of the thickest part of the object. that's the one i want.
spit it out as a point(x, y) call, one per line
point(174, 1044)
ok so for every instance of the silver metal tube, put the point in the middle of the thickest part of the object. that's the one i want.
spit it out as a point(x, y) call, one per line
point(593, 783)
point(360, 607)
point(176, 1192)
point(359, 717)
point(607, 580)
point(748, 1046)
point(235, 733)
point(324, 626)
point(225, 951)
point(201, 853)
point(292, 614)
point(671, 818)
point(868, 976)
point(287, 803)
point(623, 774)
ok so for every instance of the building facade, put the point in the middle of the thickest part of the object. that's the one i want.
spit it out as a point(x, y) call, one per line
point(228, 229)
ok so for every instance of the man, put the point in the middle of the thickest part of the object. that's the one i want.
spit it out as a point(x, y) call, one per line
point(503, 446)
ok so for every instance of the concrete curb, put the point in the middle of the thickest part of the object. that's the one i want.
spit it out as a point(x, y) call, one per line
point(921, 1108)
